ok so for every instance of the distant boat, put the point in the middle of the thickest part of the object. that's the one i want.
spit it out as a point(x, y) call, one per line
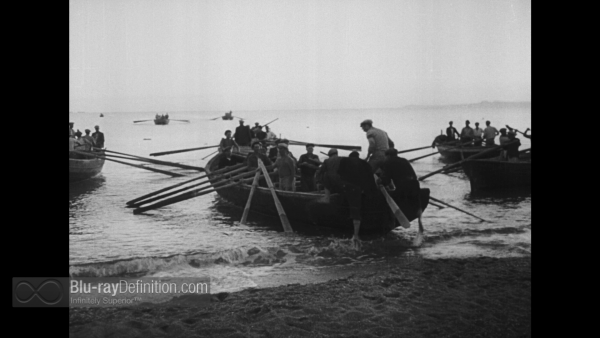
point(228, 116)
point(451, 153)
point(82, 169)
point(495, 173)
point(101, 115)
point(163, 120)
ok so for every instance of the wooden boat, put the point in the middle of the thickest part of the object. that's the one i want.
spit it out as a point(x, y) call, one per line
point(161, 121)
point(495, 173)
point(101, 115)
point(228, 116)
point(309, 208)
point(82, 169)
point(454, 155)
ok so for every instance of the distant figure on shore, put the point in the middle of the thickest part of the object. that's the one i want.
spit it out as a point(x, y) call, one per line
point(466, 135)
point(242, 135)
point(512, 150)
point(285, 167)
point(478, 134)
point(379, 142)
point(451, 132)
point(228, 143)
point(98, 137)
point(252, 159)
point(399, 171)
point(71, 131)
point(309, 164)
point(88, 140)
point(489, 133)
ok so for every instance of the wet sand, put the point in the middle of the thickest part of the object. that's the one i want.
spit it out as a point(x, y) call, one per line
point(475, 297)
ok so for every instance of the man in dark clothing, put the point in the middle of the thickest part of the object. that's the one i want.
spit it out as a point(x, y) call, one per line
point(451, 131)
point(228, 142)
point(407, 189)
point(242, 134)
point(467, 133)
point(226, 159)
point(308, 164)
point(440, 139)
point(99, 137)
point(512, 150)
point(252, 159)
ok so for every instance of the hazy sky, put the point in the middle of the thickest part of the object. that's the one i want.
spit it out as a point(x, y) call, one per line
point(196, 55)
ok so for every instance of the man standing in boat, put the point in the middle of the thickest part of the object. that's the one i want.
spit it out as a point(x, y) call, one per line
point(252, 159)
point(285, 167)
point(88, 140)
point(489, 133)
point(478, 133)
point(467, 134)
point(451, 131)
point(379, 142)
point(228, 143)
point(242, 135)
point(512, 150)
point(98, 137)
point(71, 131)
point(308, 163)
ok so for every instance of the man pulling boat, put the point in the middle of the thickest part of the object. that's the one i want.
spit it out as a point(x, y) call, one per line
point(379, 142)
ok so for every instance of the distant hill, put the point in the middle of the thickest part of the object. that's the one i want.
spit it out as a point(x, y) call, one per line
point(482, 104)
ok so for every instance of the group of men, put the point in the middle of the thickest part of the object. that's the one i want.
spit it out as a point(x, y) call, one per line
point(80, 142)
point(477, 136)
point(161, 117)
point(245, 136)
point(350, 176)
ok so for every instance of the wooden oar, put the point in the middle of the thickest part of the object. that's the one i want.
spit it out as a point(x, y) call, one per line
point(518, 131)
point(149, 160)
point(221, 182)
point(414, 149)
point(216, 118)
point(188, 121)
point(453, 207)
point(142, 121)
point(181, 151)
point(436, 205)
point(395, 209)
point(270, 122)
point(359, 148)
point(247, 208)
point(282, 216)
point(437, 152)
point(133, 165)
point(460, 162)
point(226, 170)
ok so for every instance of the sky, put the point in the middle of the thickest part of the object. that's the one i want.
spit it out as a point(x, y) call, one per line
point(196, 55)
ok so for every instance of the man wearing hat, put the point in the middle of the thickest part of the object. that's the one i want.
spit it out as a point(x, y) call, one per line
point(379, 142)
point(285, 167)
point(71, 131)
point(451, 131)
point(88, 140)
point(398, 172)
point(489, 133)
point(466, 134)
point(98, 137)
point(327, 174)
point(242, 135)
point(308, 163)
point(228, 143)
point(252, 159)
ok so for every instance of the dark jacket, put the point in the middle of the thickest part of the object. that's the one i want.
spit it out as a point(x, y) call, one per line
point(242, 135)
point(99, 137)
point(402, 173)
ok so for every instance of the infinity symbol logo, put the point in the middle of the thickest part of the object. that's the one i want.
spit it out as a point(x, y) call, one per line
point(49, 292)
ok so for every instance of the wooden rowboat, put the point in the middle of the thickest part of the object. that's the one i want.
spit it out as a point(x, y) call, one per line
point(82, 169)
point(454, 155)
point(309, 207)
point(162, 121)
point(494, 173)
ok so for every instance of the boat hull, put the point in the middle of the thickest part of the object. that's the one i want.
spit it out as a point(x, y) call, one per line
point(83, 169)
point(310, 208)
point(454, 155)
point(161, 121)
point(496, 174)
point(227, 118)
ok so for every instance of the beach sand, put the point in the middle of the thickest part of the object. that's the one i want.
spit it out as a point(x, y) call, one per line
point(474, 297)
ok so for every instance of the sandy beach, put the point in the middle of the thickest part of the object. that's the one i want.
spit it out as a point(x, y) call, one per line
point(475, 297)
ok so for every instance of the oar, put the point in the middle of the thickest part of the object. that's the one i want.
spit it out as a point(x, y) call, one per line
point(437, 152)
point(210, 154)
point(247, 208)
point(271, 122)
point(181, 151)
point(133, 165)
point(492, 149)
point(188, 121)
point(139, 158)
point(282, 216)
point(436, 205)
point(518, 131)
point(221, 182)
point(216, 118)
point(359, 148)
point(142, 121)
point(395, 209)
point(414, 149)
point(453, 207)
point(227, 170)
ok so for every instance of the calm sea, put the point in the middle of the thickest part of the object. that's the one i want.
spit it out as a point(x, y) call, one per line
point(204, 234)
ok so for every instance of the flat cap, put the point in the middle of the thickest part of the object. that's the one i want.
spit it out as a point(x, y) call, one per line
point(332, 151)
point(367, 121)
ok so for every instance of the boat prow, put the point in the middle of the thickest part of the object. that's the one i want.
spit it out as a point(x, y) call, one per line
point(83, 169)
